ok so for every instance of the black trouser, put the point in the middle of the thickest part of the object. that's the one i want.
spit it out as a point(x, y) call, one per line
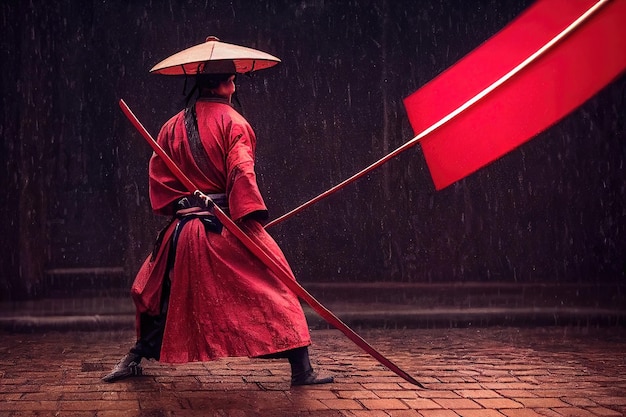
point(298, 359)
point(152, 328)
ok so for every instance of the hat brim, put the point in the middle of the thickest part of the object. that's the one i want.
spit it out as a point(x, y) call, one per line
point(212, 57)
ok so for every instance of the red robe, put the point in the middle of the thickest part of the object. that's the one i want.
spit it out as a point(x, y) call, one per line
point(223, 300)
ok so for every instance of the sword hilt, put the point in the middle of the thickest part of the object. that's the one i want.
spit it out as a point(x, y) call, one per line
point(208, 202)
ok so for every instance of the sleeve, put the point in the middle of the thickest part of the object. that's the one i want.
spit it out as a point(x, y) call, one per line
point(244, 197)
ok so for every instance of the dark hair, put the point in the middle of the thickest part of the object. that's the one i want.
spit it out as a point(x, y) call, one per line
point(210, 81)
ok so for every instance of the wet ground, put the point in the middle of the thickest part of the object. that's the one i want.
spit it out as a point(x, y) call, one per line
point(483, 372)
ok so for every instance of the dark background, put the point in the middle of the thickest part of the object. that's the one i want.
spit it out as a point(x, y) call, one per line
point(75, 213)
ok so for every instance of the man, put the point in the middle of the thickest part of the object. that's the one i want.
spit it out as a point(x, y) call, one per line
point(202, 295)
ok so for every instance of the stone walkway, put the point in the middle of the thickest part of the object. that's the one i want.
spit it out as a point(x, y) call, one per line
point(486, 372)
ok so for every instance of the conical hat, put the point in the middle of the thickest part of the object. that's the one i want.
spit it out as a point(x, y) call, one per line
point(213, 57)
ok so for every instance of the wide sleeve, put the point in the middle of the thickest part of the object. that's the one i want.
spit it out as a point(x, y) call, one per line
point(244, 197)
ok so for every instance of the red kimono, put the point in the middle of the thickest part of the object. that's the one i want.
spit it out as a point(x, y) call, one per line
point(223, 301)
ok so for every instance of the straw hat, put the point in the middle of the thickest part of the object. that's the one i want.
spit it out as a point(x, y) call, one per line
point(215, 57)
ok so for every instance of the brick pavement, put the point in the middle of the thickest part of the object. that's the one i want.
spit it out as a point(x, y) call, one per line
point(486, 372)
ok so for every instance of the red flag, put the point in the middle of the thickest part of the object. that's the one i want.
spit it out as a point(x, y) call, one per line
point(543, 91)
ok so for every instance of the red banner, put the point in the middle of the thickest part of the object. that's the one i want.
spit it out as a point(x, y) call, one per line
point(536, 97)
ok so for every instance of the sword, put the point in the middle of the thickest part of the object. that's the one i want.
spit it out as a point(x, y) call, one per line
point(264, 256)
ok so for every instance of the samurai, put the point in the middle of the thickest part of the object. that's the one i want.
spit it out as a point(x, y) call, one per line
point(201, 295)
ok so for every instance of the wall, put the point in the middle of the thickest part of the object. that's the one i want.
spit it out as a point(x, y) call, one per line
point(75, 170)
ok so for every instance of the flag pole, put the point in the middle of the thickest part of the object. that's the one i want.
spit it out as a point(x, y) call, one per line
point(573, 26)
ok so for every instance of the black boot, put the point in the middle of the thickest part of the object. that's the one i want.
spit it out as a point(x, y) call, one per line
point(301, 370)
point(127, 367)
point(310, 378)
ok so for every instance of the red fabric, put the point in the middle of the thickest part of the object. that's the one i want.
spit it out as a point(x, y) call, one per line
point(223, 300)
point(541, 94)
point(230, 144)
point(146, 290)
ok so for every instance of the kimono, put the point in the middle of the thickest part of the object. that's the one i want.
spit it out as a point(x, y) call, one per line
point(223, 301)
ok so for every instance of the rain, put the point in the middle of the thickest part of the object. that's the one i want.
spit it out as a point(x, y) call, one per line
point(496, 292)
point(543, 227)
